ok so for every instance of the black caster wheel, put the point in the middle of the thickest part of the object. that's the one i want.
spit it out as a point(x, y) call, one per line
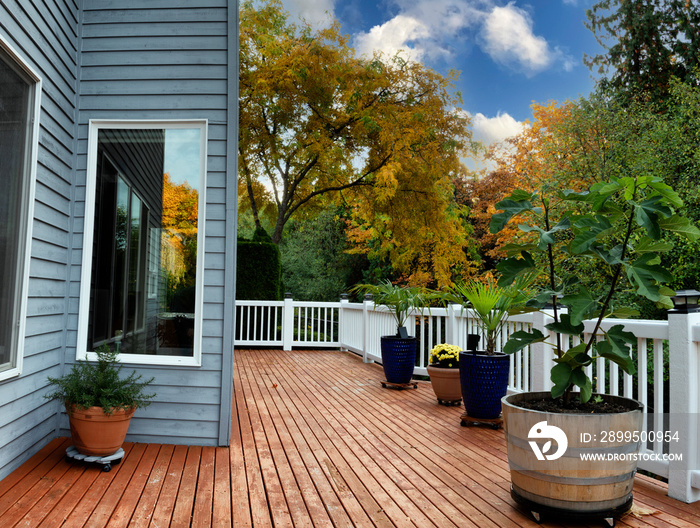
point(107, 468)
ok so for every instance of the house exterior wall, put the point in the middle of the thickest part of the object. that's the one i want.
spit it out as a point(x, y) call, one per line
point(125, 60)
point(165, 60)
point(45, 37)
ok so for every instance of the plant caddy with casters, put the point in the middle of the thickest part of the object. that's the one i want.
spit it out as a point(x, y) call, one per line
point(100, 404)
point(615, 227)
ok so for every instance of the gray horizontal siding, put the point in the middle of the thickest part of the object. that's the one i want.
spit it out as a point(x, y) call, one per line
point(45, 34)
point(163, 59)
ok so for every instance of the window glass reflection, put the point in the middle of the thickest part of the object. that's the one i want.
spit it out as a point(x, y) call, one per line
point(144, 269)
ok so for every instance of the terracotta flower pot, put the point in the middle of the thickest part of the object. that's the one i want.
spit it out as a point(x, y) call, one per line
point(446, 384)
point(95, 433)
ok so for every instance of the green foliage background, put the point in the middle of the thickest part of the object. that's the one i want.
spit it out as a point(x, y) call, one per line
point(315, 262)
point(258, 269)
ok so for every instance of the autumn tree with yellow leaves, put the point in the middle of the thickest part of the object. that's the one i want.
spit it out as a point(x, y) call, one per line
point(379, 135)
point(179, 221)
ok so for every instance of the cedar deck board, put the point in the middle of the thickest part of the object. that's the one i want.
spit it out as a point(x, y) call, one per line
point(404, 461)
point(304, 502)
point(396, 487)
point(316, 442)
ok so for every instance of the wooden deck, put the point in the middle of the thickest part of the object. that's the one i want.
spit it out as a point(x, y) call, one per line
point(317, 442)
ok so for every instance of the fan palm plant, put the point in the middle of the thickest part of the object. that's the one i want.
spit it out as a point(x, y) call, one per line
point(400, 300)
point(492, 304)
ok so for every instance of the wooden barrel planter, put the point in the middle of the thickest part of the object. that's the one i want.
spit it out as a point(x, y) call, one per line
point(560, 481)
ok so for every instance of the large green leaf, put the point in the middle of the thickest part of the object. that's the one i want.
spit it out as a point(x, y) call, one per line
point(582, 305)
point(564, 326)
point(644, 272)
point(617, 347)
point(667, 192)
point(515, 249)
point(510, 268)
point(611, 257)
point(561, 377)
point(547, 237)
point(622, 312)
point(583, 241)
point(575, 356)
point(649, 220)
point(576, 196)
point(579, 378)
point(588, 229)
point(518, 202)
point(680, 225)
point(521, 339)
point(647, 245)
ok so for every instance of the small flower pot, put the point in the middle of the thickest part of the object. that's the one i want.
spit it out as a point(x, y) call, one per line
point(446, 384)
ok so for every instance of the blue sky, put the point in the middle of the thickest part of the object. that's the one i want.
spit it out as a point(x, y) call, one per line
point(509, 53)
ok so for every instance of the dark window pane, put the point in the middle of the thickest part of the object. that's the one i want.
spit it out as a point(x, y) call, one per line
point(15, 105)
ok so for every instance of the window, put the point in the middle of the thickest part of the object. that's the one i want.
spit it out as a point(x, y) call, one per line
point(20, 90)
point(141, 286)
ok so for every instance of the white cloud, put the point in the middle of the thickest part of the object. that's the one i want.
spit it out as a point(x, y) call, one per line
point(427, 29)
point(439, 29)
point(318, 13)
point(397, 34)
point(509, 40)
point(490, 130)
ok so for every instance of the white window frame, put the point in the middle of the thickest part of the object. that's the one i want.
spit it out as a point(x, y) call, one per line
point(27, 217)
point(95, 125)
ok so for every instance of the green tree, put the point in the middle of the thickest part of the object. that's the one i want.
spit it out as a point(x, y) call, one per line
point(379, 136)
point(599, 138)
point(315, 262)
point(646, 42)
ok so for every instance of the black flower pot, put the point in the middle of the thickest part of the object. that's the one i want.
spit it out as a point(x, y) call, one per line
point(484, 382)
point(398, 358)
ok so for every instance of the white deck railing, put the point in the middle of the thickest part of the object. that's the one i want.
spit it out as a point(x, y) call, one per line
point(287, 324)
point(667, 381)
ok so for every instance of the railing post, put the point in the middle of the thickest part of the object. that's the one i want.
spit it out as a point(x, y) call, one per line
point(451, 326)
point(684, 404)
point(288, 323)
point(344, 301)
point(367, 307)
point(540, 355)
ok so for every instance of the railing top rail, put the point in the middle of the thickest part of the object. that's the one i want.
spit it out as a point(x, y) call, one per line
point(317, 304)
point(247, 302)
point(641, 328)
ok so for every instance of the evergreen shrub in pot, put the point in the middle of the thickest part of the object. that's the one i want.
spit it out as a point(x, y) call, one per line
point(617, 227)
point(100, 402)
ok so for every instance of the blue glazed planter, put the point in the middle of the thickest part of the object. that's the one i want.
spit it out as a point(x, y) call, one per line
point(398, 358)
point(484, 382)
